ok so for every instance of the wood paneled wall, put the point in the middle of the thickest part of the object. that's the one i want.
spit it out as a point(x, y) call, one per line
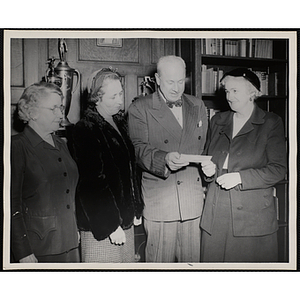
point(134, 60)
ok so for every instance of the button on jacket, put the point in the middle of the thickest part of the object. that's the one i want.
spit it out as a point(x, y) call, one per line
point(108, 191)
point(154, 131)
point(258, 153)
point(43, 182)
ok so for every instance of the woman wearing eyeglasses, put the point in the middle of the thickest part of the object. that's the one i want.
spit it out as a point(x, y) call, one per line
point(43, 181)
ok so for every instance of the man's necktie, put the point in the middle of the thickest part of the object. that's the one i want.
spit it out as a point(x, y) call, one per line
point(177, 103)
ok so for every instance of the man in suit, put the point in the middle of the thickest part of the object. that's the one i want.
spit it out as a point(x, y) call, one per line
point(163, 126)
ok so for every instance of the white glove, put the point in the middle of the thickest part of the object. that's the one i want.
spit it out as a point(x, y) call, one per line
point(208, 168)
point(118, 237)
point(137, 222)
point(229, 180)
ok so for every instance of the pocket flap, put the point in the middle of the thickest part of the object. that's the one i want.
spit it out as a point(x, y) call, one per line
point(41, 225)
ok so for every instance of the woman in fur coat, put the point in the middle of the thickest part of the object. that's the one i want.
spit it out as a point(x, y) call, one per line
point(108, 199)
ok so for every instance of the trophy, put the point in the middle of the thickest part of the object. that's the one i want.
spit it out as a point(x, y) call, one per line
point(63, 75)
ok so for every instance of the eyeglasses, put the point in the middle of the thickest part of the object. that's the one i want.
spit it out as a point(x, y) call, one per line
point(55, 109)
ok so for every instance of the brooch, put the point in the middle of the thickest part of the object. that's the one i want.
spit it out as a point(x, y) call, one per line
point(199, 124)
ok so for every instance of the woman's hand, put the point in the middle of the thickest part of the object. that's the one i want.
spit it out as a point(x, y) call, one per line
point(29, 259)
point(118, 237)
point(137, 222)
point(208, 168)
point(229, 180)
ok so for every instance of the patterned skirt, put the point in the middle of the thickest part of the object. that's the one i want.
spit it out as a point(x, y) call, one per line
point(104, 251)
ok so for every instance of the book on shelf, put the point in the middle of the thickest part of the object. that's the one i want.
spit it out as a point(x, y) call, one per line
point(276, 84)
point(235, 47)
point(212, 46)
point(251, 48)
point(263, 48)
point(272, 84)
point(264, 81)
point(210, 79)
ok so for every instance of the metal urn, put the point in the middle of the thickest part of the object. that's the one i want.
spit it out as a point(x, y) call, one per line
point(63, 76)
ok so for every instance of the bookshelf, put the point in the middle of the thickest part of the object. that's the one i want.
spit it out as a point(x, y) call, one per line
point(208, 59)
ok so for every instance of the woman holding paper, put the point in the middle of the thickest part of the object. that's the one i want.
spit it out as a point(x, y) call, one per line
point(248, 152)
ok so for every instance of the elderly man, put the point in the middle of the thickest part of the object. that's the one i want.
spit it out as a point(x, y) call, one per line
point(163, 126)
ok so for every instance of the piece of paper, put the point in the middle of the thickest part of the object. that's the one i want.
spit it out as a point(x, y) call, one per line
point(194, 158)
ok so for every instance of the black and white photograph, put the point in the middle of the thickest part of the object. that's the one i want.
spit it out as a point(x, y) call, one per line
point(150, 150)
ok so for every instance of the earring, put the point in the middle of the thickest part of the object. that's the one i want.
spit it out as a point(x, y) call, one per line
point(32, 117)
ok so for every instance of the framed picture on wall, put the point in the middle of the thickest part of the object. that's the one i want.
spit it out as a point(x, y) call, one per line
point(108, 42)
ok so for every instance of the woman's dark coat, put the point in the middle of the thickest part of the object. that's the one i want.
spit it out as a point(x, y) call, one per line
point(258, 153)
point(108, 193)
point(43, 184)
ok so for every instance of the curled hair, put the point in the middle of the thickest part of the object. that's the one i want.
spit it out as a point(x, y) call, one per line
point(33, 95)
point(97, 82)
point(251, 88)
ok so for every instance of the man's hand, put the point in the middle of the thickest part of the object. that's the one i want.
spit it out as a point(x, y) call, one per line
point(174, 162)
point(29, 259)
point(208, 168)
point(118, 237)
point(230, 180)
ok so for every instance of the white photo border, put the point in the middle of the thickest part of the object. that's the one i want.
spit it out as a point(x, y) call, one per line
point(121, 34)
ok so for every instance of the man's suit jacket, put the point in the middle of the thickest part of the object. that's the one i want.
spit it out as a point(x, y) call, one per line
point(154, 131)
point(258, 153)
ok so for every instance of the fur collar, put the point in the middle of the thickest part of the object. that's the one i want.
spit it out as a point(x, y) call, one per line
point(93, 117)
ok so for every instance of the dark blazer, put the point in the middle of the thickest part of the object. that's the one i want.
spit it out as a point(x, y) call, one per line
point(258, 153)
point(108, 192)
point(154, 131)
point(43, 183)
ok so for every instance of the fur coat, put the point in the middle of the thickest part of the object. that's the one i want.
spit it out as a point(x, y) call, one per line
point(108, 192)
